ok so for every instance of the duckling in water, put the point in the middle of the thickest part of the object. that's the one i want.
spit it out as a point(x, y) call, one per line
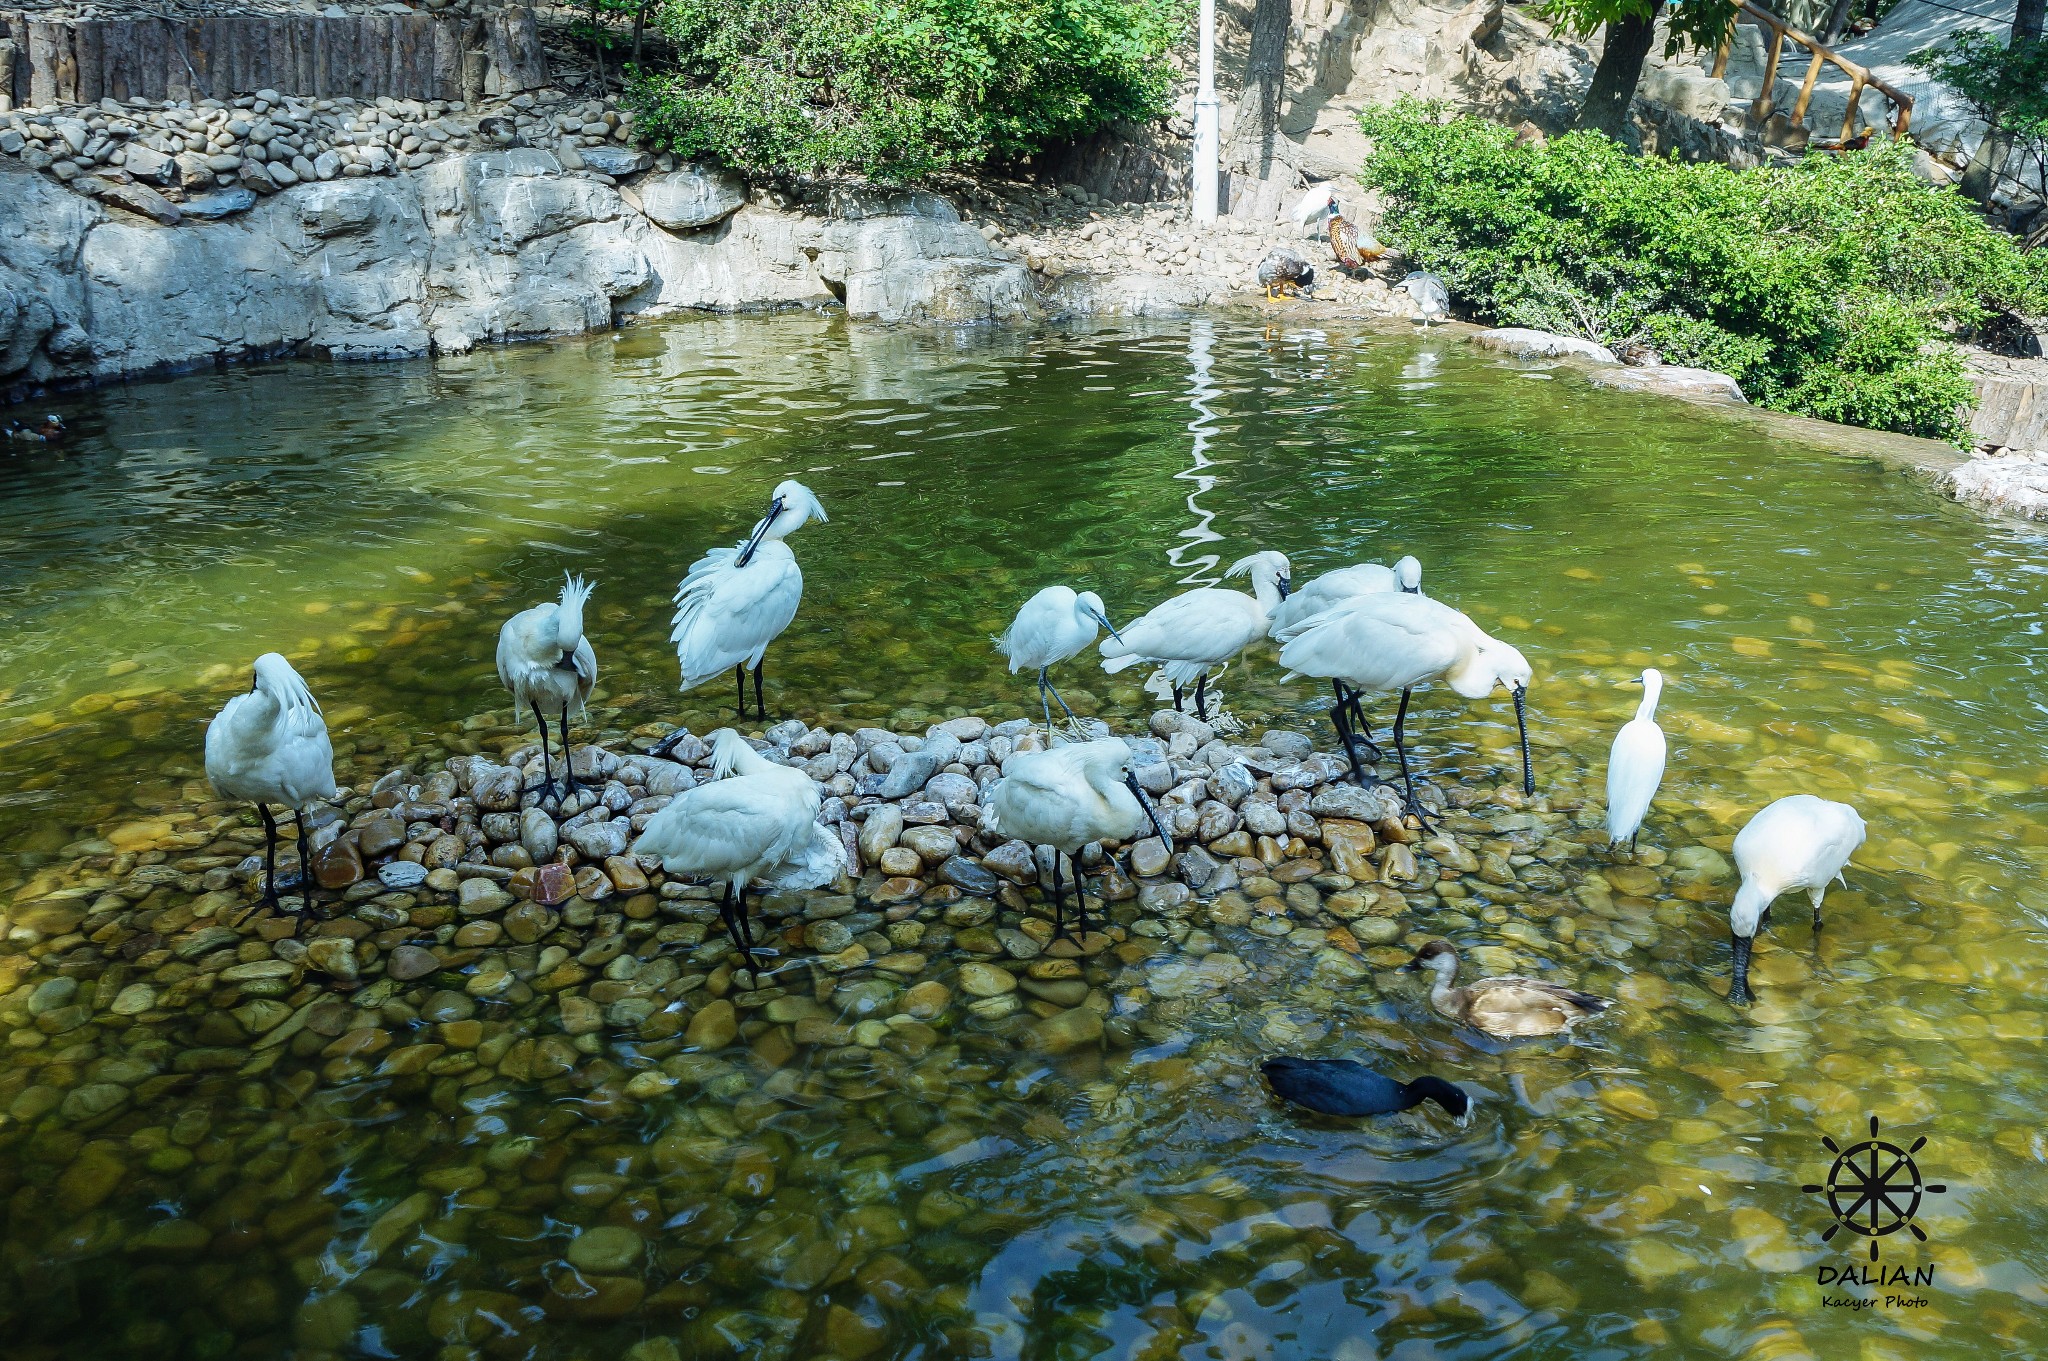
point(1512, 1008)
point(1348, 1087)
point(1285, 274)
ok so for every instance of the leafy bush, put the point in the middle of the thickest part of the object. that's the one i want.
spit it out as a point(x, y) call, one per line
point(1829, 288)
point(899, 89)
point(2007, 85)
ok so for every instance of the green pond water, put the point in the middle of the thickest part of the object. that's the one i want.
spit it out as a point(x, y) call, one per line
point(1824, 625)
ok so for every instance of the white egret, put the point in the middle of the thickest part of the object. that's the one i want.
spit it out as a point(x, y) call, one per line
point(736, 601)
point(1512, 1008)
point(754, 822)
point(1635, 766)
point(1066, 797)
point(1432, 299)
point(1332, 589)
point(1054, 625)
point(1398, 641)
point(548, 665)
point(270, 746)
point(1800, 841)
point(1202, 628)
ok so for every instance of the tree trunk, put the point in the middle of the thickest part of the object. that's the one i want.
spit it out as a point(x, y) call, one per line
point(2027, 22)
point(1838, 19)
point(1619, 71)
point(1257, 126)
point(1980, 177)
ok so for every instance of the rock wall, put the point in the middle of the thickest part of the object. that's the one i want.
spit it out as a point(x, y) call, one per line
point(484, 246)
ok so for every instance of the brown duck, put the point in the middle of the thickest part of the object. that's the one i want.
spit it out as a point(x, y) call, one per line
point(1351, 247)
point(1512, 1008)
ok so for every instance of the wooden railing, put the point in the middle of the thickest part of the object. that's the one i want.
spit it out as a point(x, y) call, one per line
point(1819, 55)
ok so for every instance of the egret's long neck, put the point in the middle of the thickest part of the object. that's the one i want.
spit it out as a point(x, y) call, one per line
point(1648, 708)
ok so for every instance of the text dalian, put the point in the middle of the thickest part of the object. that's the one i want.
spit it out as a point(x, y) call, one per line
point(1875, 1276)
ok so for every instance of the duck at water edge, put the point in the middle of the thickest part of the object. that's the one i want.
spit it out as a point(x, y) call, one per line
point(1286, 273)
point(49, 430)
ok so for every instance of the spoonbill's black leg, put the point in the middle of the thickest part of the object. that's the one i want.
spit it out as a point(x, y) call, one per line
point(568, 765)
point(1411, 804)
point(1059, 901)
point(1341, 721)
point(1176, 698)
point(1202, 697)
point(305, 868)
point(269, 898)
point(1361, 726)
point(739, 675)
point(760, 705)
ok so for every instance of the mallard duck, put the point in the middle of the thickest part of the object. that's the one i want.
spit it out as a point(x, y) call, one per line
point(1348, 1087)
point(1512, 1008)
point(1351, 246)
point(1285, 274)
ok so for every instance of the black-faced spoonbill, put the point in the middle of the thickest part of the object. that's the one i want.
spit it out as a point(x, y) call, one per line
point(1201, 629)
point(1635, 766)
point(1054, 625)
point(548, 665)
point(1800, 841)
point(270, 746)
point(1511, 1008)
point(1348, 1087)
point(1327, 592)
point(1397, 641)
point(736, 601)
point(755, 822)
point(1065, 798)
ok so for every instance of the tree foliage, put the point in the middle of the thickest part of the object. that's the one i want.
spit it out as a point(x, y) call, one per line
point(899, 89)
point(2006, 83)
point(1830, 288)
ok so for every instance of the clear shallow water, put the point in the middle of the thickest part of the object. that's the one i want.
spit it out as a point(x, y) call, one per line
point(1823, 624)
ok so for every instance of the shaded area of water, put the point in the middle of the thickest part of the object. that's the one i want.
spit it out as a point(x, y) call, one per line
point(946, 1190)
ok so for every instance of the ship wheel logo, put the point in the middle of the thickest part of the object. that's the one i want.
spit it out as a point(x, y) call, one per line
point(1874, 1188)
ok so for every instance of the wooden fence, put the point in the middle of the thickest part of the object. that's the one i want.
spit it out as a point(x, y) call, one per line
point(1818, 56)
point(359, 56)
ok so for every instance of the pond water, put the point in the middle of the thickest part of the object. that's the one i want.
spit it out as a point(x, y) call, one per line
point(945, 1189)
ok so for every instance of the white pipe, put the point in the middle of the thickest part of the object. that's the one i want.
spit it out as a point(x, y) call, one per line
point(1208, 122)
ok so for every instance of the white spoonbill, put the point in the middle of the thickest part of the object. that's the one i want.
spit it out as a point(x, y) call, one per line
point(1202, 628)
point(270, 746)
point(1635, 766)
point(754, 822)
point(1397, 641)
point(1332, 589)
point(1054, 625)
point(547, 664)
point(736, 601)
point(1798, 842)
point(1066, 797)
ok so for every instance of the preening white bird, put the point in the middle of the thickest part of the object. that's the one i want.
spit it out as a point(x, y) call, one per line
point(1432, 299)
point(1800, 841)
point(271, 746)
point(1054, 625)
point(1320, 199)
point(1203, 628)
point(736, 601)
point(1068, 796)
point(1333, 588)
point(548, 665)
point(755, 822)
point(1635, 766)
point(1397, 641)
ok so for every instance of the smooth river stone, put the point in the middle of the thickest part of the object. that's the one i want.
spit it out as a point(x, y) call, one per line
point(986, 980)
point(402, 874)
point(606, 1248)
point(407, 962)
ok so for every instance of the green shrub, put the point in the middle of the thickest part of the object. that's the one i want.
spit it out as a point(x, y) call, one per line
point(900, 89)
point(1830, 288)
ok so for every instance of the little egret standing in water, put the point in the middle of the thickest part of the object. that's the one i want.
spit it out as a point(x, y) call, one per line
point(548, 665)
point(1065, 798)
point(1054, 625)
point(270, 746)
point(1397, 641)
point(1201, 629)
point(755, 822)
point(1798, 842)
point(736, 601)
point(1635, 766)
